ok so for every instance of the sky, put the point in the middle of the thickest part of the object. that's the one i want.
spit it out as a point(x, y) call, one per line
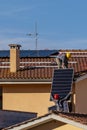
point(61, 24)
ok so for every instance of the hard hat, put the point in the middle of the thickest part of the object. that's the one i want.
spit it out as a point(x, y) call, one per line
point(56, 96)
point(68, 55)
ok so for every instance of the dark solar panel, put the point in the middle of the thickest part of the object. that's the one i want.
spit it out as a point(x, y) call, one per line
point(9, 118)
point(30, 53)
point(37, 53)
point(4, 53)
point(62, 82)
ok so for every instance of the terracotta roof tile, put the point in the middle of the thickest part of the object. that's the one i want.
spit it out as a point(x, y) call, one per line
point(78, 61)
point(78, 117)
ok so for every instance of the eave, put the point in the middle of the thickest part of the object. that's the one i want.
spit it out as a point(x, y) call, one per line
point(45, 119)
point(25, 81)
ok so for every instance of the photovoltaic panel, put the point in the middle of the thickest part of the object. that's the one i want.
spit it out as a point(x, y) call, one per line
point(9, 118)
point(30, 53)
point(62, 82)
point(37, 53)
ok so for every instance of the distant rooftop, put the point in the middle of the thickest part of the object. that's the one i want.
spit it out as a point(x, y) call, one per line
point(42, 67)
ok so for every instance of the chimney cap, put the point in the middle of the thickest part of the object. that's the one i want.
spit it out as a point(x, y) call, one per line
point(15, 45)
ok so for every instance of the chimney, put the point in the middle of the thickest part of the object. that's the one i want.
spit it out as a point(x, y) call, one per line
point(14, 57)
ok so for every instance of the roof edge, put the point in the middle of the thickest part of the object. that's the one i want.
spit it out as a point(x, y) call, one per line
point(44, 119)
point(25, 81)
point(81, 78)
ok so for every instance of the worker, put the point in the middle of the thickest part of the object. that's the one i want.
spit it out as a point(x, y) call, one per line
point(62, 60)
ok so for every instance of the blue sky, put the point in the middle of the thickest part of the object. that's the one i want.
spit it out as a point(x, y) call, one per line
point(61, 24)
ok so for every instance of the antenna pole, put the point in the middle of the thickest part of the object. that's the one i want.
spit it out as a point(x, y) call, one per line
point(35, 34)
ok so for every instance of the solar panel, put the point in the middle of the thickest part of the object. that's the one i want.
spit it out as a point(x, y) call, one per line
point(62, 82)
point(9, 118)
point(4, 53)
point(30, 53)
point(37, 53)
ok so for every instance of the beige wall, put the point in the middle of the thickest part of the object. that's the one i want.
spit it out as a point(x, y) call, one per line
point(73, 97)
point(35, 97)
point(31, 98)
point(81, 96)
point(55, 125)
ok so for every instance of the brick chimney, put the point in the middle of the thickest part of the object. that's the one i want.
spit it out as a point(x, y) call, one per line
point(14, 57)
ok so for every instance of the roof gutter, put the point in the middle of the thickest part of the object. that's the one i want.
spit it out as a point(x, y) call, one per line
point(25, 81)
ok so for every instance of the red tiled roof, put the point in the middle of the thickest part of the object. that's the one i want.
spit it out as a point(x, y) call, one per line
point(29, 73)
point(78, 61)
point(82, 118)
point(78, 117)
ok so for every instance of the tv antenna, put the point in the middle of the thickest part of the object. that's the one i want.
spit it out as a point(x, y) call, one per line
point(35, 35)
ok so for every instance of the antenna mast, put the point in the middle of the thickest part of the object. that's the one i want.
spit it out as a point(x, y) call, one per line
point(35, 35)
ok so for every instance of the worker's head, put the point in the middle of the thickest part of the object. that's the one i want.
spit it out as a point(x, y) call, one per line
point(68, 55)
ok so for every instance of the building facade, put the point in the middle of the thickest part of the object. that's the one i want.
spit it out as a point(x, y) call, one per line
point(26, 84)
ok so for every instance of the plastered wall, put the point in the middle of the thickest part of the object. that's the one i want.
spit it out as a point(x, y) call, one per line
point(31, 98)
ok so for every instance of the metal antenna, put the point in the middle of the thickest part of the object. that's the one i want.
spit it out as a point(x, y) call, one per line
point(35, 34)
